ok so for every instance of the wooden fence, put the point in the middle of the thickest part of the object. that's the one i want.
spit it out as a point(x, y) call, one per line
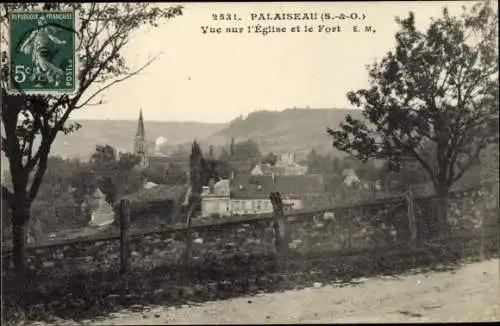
point(125, 235)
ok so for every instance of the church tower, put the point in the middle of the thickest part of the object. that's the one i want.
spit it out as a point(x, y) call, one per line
point(141, 144)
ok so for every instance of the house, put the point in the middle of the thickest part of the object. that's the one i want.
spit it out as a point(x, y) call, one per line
point(285, 165)
point(216, 198)
point(103, 213)
point(350, 178)
point(249, 194)
point(267, 169)
point(149, 185)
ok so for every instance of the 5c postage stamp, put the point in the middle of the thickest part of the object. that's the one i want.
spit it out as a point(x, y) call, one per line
point(43, 57)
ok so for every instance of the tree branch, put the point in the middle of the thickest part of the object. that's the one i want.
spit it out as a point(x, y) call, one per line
point(119, 80)
point(417, 156)
point(40, 171)
point(472, 158)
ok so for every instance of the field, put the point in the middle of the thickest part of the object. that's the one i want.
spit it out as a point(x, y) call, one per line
point(468, 294)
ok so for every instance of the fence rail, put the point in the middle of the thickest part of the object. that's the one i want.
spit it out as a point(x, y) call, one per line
point(201, 224)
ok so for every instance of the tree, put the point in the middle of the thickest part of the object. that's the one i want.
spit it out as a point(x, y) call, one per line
point(196, 168)
point(211, 152)
point(337, 165)
point(84, 183)
point(409, 174)
point(246, 151)
point(128, 179)
point(32, 123)
point(232, 151)
point(155, 172)
point(215, 169)
point(439, 88)
point(59, 199)
point(175, 175)
point(224, 156)
point(270, 158)
point(115, 176)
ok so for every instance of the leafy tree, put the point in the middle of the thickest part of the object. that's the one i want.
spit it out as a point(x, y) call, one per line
point(270, 158)
point(215, 169)
point(319, 164)
point(337, 165)
point(32, 123)
point(169, 174)
point(439, 87)
point(196, 168)
point(409, 174)
point(210, 152)
point(246, 150)
point(115, 177)
point(57, 203)
point(224, 156)
point(84, 184)
point(368, 172)
point(175, 175)
point(155, 172)
point(128, 178)
point(232, 150)
point(104, 158)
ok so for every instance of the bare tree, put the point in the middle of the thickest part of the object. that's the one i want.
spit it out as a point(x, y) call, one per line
point(32, 123)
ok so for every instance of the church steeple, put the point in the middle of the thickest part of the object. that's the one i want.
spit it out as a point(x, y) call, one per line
point(140, 127)
point(141, 144)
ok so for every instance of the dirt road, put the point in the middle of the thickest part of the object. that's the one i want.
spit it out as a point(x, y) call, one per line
point(470, 293)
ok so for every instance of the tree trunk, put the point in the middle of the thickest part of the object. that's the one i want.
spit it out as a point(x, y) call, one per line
point(441, 209)
point(20, 219)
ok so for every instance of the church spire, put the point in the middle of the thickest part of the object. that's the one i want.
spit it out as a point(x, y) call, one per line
point(140, 126)
point(140, 144)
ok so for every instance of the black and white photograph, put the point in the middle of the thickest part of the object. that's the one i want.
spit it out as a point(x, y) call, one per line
point(249, 162)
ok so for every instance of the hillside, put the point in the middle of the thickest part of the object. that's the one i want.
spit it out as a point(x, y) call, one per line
point(288, 130)
point(120, 134)
point(296, 130)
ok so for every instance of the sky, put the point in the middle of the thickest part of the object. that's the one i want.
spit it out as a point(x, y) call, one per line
point(215, 77)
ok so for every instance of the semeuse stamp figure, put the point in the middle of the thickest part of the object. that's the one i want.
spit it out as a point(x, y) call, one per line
point(42, 52)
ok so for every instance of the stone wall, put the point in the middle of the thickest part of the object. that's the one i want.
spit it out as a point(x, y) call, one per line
point(368, 226)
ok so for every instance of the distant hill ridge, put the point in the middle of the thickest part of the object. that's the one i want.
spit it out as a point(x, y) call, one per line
point(120, 134)
point(289, 130)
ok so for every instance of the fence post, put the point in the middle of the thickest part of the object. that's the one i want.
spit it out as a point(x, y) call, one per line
point(278, 218)
point(411, 217)
point(189, 232)
point(349, 227)
point(124, 235)
point(482, 221)
point(497, 198)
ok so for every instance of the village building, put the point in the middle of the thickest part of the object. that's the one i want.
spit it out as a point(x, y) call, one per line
point(285, 165)
point(350, 178)
point(103, 213)
point(249, 194)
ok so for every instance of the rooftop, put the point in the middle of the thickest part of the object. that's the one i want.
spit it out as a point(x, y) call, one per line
point(260, 186)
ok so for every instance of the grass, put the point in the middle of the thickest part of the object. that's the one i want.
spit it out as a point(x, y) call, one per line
point(93, 295)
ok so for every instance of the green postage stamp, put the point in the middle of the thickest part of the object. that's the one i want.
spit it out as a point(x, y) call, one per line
point(42, 47)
